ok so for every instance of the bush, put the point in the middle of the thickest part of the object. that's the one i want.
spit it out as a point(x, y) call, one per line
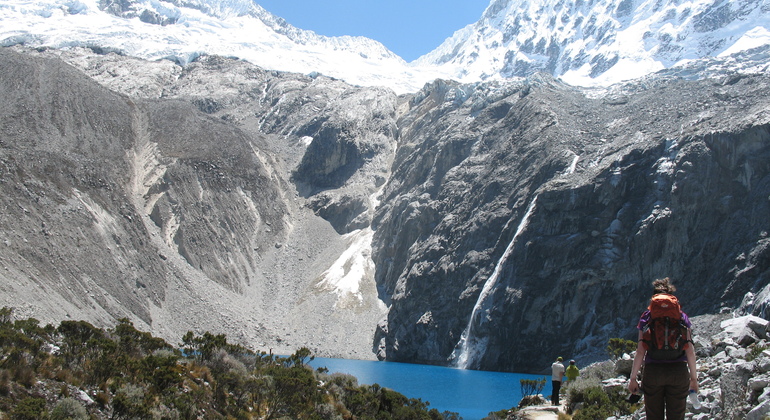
point(129, 402)
point(5, 382)
point(600, 371)
point(598, 403)
point(532, 386)
point(69, 409)
point(616, 347)
point(25, 375)
point(135, 375)
point(29, 409)
point(756, 350)
point(102, 398)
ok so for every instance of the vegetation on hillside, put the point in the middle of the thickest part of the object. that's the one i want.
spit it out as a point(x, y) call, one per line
point(78, 371)
point(587, 396)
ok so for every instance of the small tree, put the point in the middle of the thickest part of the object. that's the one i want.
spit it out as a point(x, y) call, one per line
point(530, 391)
point(532, 386)
point(616, 347)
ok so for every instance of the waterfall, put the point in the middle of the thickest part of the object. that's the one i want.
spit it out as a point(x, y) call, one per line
point(470, 347)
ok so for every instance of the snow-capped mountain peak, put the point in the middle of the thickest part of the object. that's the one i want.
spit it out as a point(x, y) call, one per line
point(590, 42)
point(185, 29)
point(582, 42)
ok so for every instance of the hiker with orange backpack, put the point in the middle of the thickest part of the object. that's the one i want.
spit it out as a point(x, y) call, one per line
point(665, 347)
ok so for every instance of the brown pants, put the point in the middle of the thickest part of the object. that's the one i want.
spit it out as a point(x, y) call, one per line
point(665, 387)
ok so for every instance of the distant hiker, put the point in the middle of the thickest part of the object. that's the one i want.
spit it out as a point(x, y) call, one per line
point(572, 371)
point(665, 347)
point(557, 370)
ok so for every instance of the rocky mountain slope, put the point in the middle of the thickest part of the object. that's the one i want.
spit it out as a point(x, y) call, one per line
point(487, 225)
point(143, 202)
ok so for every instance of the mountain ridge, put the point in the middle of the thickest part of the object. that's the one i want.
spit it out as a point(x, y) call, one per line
point(584, 43)
point(589, 43)
point(183, 30)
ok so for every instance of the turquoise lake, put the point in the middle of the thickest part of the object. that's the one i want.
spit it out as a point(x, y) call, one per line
point(472, 394)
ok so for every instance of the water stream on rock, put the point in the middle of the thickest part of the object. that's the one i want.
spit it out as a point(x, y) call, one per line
point(470, 346)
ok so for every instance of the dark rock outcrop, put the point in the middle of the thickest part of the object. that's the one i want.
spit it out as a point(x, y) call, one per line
point(662, 178)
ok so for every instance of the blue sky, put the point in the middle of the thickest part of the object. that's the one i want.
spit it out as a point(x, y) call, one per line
point(409, 28)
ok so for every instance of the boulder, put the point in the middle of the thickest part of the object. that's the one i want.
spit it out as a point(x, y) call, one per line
point(759, 412)
point(758, 325)
point(745, 330)
point(737, 352)
point(763, 364)
point(759, 383)
point(624, 366)
point(615, 383)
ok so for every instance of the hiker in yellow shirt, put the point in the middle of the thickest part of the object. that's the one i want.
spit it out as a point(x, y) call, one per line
point(572, 371)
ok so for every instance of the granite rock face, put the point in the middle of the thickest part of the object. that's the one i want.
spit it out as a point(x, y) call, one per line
point(539, 215)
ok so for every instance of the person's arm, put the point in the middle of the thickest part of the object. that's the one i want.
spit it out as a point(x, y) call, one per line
point(633, 383)
point(690, 352)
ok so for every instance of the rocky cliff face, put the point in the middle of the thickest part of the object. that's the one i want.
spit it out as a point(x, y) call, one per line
point(488, 225)
point(525, 221)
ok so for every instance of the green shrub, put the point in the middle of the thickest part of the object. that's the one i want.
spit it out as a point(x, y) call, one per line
point(69, 409)
point(616, 347)
point(25, 375)
point(29, 409)
point(129, 402)
point(578, 388)
point(136, 375)
point(756, 350)
point(5, 382)
point(598, 403)
point(102, 398)
point(592, 412)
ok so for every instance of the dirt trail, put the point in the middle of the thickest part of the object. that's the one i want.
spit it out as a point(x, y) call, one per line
point(542, 412)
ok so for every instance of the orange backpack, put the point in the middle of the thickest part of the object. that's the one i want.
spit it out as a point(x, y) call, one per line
point(666, 336)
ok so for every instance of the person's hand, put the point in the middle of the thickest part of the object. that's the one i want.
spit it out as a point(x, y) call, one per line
point(694, 384)
point(633, 386)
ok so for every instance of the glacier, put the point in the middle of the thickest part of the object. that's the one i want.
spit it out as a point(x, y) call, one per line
point(236, 28)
